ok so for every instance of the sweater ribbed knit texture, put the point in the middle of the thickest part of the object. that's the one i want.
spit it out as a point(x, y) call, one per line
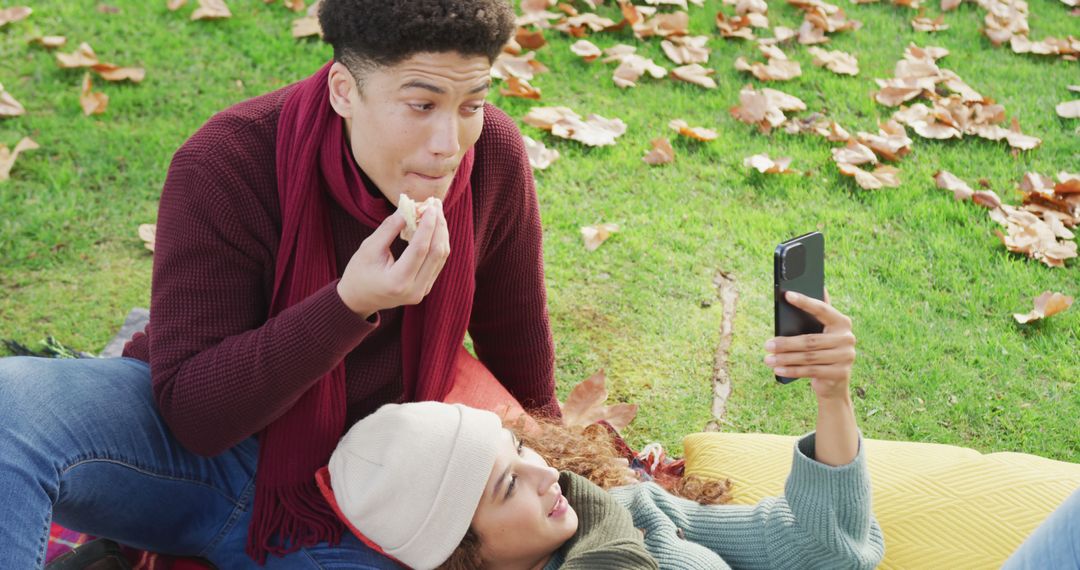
point(824, 520)
point(222, 371)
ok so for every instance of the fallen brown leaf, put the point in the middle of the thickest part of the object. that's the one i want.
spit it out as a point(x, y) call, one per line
point(765, 165)
point(586, 50)
point(696, 133)
point(854, 153)
point(585, 406)
point(596, 235)
point(84, 56)
point(1046, 305)
point(211, 10)
point(308, 25)
point(9, 107)
point(950, 5)
point(14, 14)
point(696, 74)
point(835, 61)
point(565, 123)
point(519, 88)
point(174, 5)
point(1069, 109)
point(7, 158)
point(881, 177)
point(661, 153)
point(48, 42)
point(148, 233)
point(632, 67)
point(765, 108)
point(685, 50)
point(925, 24)
point(92, 103)
point(540, 156)
point(530, 39)
point(523, 67)
point(295, 5)
point(948, 181)
point(110, 72)
point(776, 68)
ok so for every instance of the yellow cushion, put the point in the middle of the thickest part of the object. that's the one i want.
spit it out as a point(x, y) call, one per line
point(939, 506)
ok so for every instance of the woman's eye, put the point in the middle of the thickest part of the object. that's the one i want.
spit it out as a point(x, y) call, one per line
point(510, 487)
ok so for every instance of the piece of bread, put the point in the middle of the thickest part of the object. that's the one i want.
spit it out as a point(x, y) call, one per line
point(412, 212)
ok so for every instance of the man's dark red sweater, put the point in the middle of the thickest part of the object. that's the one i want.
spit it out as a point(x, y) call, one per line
point(222, 371)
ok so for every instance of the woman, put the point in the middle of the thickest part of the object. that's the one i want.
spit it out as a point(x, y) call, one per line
point(446, 486)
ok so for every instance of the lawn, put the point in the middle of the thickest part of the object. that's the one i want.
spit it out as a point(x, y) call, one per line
point(930, 288)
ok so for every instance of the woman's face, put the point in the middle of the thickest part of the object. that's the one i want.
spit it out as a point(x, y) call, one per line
point(522, 518)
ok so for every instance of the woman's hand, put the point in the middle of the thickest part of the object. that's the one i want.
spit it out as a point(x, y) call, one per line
point(825, 358)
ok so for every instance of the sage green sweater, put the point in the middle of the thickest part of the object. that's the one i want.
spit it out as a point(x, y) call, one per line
point(822, 521)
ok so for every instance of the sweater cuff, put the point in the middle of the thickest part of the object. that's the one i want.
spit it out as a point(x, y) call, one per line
point(848, 484)
point(332, 323)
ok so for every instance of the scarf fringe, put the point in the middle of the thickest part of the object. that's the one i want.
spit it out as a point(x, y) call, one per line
point(291, 518)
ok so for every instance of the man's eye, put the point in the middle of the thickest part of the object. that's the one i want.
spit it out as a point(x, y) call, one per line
point(473, 109)
point(422, 106)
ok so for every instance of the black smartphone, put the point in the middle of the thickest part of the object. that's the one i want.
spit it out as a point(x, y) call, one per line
point(798, 265)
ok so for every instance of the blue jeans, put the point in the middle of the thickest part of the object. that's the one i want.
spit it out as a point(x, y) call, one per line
point(1055, 544)
point(81, 442)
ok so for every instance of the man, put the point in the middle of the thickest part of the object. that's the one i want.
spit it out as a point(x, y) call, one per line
point(284, 307)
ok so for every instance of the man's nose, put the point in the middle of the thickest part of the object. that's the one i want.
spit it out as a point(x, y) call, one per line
point(445, 139)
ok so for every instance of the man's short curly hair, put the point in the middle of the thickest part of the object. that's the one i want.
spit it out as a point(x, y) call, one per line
point(368, 34)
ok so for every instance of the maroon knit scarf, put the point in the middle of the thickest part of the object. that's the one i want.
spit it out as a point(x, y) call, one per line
point(315, 165)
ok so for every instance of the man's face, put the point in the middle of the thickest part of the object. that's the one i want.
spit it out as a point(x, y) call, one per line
point(410, 124)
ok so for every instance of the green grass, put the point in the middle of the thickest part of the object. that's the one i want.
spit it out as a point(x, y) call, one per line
point(930, 288)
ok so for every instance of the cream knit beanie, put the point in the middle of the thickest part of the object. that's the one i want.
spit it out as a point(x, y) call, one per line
point(410, 476)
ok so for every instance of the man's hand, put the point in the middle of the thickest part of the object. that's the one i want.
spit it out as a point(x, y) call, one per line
point(374, 281)
point(825, 358)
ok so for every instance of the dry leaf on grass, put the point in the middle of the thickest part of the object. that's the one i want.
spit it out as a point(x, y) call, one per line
point(618, 52)
point(148, 233)
point(765, 108)
point(1047, 304)
point(881, 177)
point(661, 152)
point(950, 5)
point(776, 68)
point(174, 5)
point(48, 42)
point(765, 165)
point(540, 156)
point(308, 25)
point(211, 10)
point(565, 123)
point(523, 67)
point(948, 181)
point(854, 153)
point(696, 74)
point(925, 24)
point(596, 235)
point(294, 5)
point(92, 103)
point(632, 67)
point(110, 72)
point(737, 27)
point(1069, 109)
point(519, 88)
point(685, 50)
point(9, 107)
point(584, 406)
point(891, 142)
point(14, 14)
point(530, 39)
point(586, 50)
point(7, 157)
point(696, 133)
point(83, 56)
point(839, 62)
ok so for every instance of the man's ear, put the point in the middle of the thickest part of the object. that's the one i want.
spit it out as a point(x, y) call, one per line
point(343, 88)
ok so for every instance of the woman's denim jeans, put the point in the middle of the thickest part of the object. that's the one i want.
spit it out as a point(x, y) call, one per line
point(82, 443)
point(1055, 544)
